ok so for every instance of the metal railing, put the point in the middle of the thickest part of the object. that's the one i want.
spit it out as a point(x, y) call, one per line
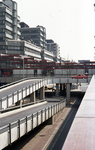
point(11, 99)
point(14, 97)
point(21, 106)
point(17, 129)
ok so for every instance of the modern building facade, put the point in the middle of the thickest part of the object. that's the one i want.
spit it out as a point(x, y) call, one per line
point(33, 41)
point(9, 23)
point(53, 48)
point(35, 35)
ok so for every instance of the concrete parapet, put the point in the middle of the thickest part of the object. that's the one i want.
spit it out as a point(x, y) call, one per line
point(53, 118)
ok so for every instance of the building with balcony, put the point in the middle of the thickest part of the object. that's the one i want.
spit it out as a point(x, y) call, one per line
point(9, 23)
point(53, 48)
point(33, 40)
point(36, 35)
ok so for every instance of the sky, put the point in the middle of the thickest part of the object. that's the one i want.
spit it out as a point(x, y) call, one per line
point(69, 23)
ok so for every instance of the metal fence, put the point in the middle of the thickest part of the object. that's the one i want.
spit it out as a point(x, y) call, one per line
point(15, 130)
point(14, 97)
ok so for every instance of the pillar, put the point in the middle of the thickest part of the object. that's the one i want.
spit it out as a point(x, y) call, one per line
point(19, 103)
point(57, 89)
point(32, 97)
point(61, 88)
point(42, 93)
point(68, 93)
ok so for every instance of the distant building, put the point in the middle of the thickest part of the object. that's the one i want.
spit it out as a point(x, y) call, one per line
point(9, 24)
point(82, 61)
point(24, 25)
point(15, 40)
point(53, 47)
point(36, 35)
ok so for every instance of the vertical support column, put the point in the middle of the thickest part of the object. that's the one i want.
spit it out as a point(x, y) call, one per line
point(57, 89)
point(19, 103)
point(68, 93)
point(32, 97)
point(42, 93)
point(60, 88)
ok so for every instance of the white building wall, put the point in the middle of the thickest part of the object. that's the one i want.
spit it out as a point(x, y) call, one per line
point(69, 71)
point(39, 72)
point(91, 71)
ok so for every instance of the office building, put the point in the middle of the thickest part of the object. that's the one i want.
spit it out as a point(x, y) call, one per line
point(9, 24)
point(11, 43)
point(53, 48)
point(36, 35)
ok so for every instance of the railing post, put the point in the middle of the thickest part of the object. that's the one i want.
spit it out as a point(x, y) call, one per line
point(26, 91)
point(40, 83)
point(32, 121)
point(17, 96)
point(52, 81)
point(48, 111)
point(54, 109)
point(1, 104)
point(37, 118)
point(58, 107)
point(13, 98)
point(41, 116)
point(29, 89)
point(22, 96)
point(19, 128)
point(51, 110)
point(7, 101)
point(10, 133)
point(45, 113)
point(26, 124)
point(35, 86)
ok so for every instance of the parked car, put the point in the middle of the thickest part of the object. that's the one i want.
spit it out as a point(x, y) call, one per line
point(79, 76)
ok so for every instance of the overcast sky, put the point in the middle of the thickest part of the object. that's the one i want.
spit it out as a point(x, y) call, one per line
point(70, 23)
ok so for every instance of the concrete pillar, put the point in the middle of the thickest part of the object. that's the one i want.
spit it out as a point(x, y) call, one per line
point(57, 89)
point(32, 97)
point(19, 103)
point(68, 93)
point(61, 88)
point(42, 93)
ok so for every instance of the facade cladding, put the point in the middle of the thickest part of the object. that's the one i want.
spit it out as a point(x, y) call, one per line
point(18, 38)
point(9, 24)
point(35, 35)
point(53, 47)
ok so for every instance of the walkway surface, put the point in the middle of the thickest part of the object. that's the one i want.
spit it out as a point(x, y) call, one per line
point(82, 132)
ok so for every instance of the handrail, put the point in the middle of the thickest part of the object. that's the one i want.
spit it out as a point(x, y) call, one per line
point(12, 83)
point(23, 105)
point(41, 82)
point(4, 127)
point(45, 77)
